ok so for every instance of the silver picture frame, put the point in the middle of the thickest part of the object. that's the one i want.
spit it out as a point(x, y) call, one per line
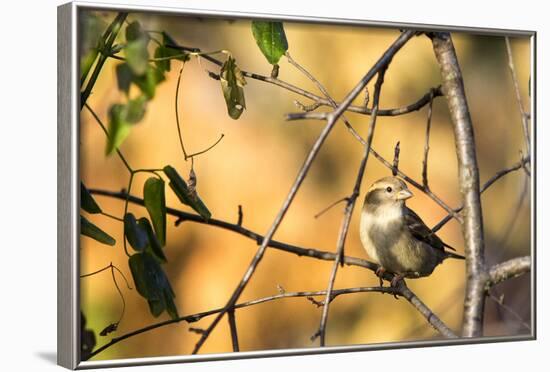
point(68, 198)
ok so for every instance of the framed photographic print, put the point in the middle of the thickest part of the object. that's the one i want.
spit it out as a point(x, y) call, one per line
point(236, 185)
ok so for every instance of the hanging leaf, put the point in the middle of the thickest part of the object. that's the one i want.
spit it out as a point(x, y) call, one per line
point(148, 82)
point(90, 230)
point(135, 234)
point(232, 81)
point(87, 339)
point(184, 194)
point(153, 247)
point(119, 127)
point(136, 109)
point(87, 202)
point(155, 203)
point(271, 39)
point(152, 284)
point(137, 55)
point(124, 76)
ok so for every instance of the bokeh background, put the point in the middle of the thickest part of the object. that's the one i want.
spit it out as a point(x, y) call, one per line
point(256, 163)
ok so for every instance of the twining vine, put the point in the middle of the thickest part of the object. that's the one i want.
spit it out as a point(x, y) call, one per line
point(146, 235)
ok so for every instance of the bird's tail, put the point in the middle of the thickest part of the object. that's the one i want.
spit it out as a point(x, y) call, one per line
point(454, 255)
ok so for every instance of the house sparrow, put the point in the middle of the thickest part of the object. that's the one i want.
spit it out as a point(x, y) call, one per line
point(395, 237)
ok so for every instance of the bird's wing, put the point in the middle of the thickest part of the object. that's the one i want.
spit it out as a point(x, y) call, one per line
point(420, 231)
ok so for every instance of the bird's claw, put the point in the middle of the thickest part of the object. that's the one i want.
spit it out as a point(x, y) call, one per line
point(380, 271)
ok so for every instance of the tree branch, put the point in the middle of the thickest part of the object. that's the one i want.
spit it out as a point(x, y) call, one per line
point(524, 116)
point(402, 290)
point(507, 270)
point(486, 185)
point(350, 204)
point(468, 173)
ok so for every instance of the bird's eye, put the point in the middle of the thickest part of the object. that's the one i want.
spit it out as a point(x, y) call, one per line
point(388, 189)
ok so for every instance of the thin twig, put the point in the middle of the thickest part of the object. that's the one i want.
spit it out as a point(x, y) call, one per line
point(402, 290)
point(346, 220)
point(524, 116)
point(103, 55)
point(486, 185)
point(240, 214)
point(500, 302)
point(233, 329)
point(395, 165)
point(324, 210)
point(427, 146)
point(178, 125)
point(415, 106)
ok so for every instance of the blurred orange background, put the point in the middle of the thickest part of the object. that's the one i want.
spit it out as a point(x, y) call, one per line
point(256, 163)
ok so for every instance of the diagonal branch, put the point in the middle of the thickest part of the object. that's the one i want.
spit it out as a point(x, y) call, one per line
point(350, 204)
point(468, 174)
point(486, 185)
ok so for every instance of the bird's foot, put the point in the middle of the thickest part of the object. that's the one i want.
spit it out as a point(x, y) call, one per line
point(380, 271)
point(397, 278)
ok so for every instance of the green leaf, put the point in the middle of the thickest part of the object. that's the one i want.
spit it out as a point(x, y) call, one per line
point(89, 229)
point(271, 39)
point(91, 29)
point(184, 194)
point(232, 81)
point(153, 247)
point(135, 234)
point(135, 32)
point(124, 77)
point(160, 52)
point(119, 127)
point(148, 82)
point(137, 56)
point(154, 200)
point(153, 284)
point(87, 202)
point(136, 109)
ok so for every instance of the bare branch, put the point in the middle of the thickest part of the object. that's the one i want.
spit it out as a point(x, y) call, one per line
point(240, 213)
point(324, 210)
point(395, 166)
point(233, 329)
point(486, 185)
point(349, 208)
point(427, 146)
point(472, 226)
point(524, 116)
point(415, 106)
point(507, 270)
point(509, 310)
point(402, 290)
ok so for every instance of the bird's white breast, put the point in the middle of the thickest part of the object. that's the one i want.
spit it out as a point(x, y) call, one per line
point(382, 218)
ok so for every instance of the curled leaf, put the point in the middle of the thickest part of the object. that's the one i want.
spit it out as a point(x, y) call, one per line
point(184, 194)
point(232, 82)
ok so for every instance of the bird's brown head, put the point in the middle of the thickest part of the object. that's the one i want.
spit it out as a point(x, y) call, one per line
point(387, 191)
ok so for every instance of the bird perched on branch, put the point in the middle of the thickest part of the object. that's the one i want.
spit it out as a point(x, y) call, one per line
point(395, 237)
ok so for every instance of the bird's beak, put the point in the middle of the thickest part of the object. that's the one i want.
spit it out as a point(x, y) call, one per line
point(404, 194)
